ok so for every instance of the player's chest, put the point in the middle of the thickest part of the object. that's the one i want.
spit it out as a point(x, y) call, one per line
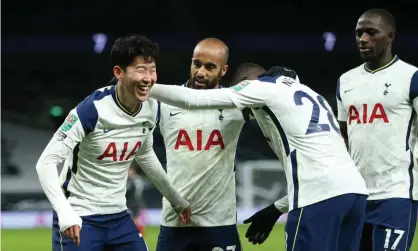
point(110, 142)
point(200, 129)
point(175, 118)
point(373, 97)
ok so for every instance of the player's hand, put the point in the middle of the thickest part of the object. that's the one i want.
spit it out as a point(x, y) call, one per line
point(262, 223)
point(184, 216)
point(70, 224)
point(73, 233)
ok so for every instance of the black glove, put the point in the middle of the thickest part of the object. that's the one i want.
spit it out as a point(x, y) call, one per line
point(262, 223)
point(277, 71)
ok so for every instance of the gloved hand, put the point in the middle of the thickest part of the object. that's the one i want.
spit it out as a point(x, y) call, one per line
point(262, 223)
point(277, 71)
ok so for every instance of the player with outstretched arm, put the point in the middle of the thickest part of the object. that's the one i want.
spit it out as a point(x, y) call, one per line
point(326, 193)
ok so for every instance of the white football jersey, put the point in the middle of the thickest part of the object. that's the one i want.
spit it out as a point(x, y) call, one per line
point(380, 110)
point(200, 148)
point(105, 138)
point(303, 132)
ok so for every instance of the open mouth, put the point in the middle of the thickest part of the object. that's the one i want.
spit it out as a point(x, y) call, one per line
point(142, 90)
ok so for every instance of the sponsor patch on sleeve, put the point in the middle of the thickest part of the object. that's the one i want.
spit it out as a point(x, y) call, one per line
point(238, 87)
point(60, 135)
point(69, 122)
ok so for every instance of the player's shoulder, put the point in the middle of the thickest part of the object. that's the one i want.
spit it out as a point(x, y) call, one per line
point(152, 104)
point(87, 110)
point(351, 74)
point(405, 69)
point(89, 102)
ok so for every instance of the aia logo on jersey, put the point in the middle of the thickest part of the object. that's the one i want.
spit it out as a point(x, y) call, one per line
point(112, 152)
point(377, 113)
point(215, 139)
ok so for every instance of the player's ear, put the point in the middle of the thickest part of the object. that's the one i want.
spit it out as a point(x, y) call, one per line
point(391, 36)
point(224, 70)
point(117, 72)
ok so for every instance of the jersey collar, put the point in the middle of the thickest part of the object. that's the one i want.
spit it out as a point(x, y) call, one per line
point(395, 58)
point(119, 104)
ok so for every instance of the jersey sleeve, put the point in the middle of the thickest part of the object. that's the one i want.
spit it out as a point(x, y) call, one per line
point(342, 113)
point(413, 91)
point(149, 163)
point(282, 204)
point(70, 133)
point(188, 98)
point(249, 94)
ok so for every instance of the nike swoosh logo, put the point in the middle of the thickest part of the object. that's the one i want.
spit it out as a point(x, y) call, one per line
point(107, 130)
point(174, 114)
point(348, 90)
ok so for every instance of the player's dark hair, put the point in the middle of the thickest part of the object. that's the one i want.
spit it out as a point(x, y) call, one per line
point(243, 70)
point(388, 18)
point(125, 49)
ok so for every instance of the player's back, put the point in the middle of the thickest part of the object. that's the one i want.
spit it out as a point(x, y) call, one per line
point(304, 133)
point(200, 149)
point(94, 175)
point(381, 124)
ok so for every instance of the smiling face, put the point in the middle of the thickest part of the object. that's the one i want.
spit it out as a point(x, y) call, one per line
point(137, 78)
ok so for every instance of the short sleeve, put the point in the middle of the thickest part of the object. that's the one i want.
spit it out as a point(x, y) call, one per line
point(342, 113)
point(413, 91)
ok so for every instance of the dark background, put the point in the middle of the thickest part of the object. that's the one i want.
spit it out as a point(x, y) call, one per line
point(48, 49)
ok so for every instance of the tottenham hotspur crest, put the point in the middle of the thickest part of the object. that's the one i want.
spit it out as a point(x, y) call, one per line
point(386, 91)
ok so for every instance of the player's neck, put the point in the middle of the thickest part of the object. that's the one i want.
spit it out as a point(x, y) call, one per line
point(381, 61)
point(125, 100)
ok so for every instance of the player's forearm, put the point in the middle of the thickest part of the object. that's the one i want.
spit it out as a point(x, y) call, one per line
point(48, 176)
point(152, 167)
point(282, 204)
point(191, 99)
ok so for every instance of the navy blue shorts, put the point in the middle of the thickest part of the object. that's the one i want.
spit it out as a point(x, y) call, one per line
point(116, 232)
point(332, 225)
point(389, 224)
point(222, 238)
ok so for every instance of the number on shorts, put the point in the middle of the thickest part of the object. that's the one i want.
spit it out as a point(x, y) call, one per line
point(228, 248)
point(397, 240)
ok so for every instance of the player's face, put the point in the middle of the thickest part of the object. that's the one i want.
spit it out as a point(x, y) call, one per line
point(207, 68)
point(139, 77)
point(373, 37)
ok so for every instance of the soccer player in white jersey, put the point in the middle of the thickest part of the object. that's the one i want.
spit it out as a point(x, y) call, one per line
point(200, 149)
point(377, 105)
point(99, 139)
point(326, 193)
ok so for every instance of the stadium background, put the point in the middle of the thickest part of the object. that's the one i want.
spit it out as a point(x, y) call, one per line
point(56, 53)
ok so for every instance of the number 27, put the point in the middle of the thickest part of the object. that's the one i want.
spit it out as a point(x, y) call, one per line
point(314, 126)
